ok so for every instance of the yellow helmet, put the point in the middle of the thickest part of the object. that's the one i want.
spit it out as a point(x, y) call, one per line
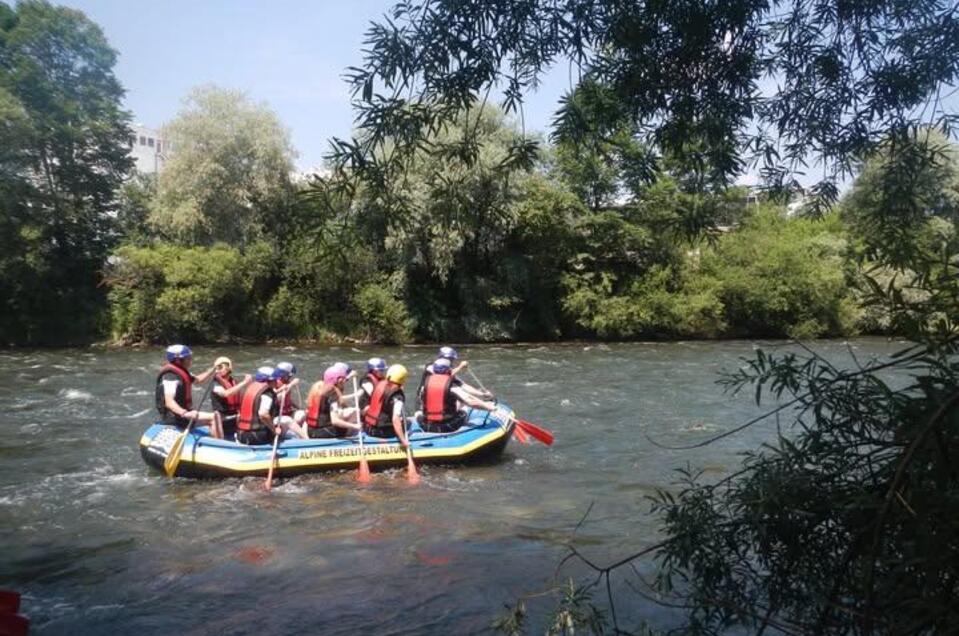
point(397, 374)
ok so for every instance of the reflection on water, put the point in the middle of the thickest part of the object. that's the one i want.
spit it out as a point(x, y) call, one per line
point(99, 544)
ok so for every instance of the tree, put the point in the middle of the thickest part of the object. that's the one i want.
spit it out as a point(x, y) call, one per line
point(135, 199)
point(443, 224)
point(783, 277)
point(597, 153)
point(169, 292)
point(690, 75)
point(229, 171)
point(846, 523)
point(65, 145)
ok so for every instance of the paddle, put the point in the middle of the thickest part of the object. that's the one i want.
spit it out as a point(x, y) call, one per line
point(533, 430)
point(520, 435)
point(523, 429)
point(363, 471)
point(269, 474)
point(411, 475)
point(276, 444)
point(9, 601)
point(478, 381)
point(173, 457)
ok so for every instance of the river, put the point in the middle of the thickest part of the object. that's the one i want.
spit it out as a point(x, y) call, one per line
point(100, 544)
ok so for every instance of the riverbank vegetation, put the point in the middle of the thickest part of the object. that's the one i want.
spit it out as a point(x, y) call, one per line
point(494, 235)
point(844, 523)
point(444, 219)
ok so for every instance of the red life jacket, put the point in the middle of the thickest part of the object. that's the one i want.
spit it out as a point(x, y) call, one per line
point(378, 416)
point(364, 397)
point(229, 404)
point(439, 403)
point(249, 416)
point(184, 394)
point(287, 406)
point(318, 408)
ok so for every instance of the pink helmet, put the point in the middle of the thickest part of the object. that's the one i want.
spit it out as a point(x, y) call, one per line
point(334, 374)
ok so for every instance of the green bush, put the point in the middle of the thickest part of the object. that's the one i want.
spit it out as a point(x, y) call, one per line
point(784, 278)
point(382, 316)
point(164, 292)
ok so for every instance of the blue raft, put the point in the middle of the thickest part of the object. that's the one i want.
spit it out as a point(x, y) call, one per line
point(482, 439)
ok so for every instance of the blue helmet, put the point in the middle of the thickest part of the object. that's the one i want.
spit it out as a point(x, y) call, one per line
point(376, 364)
point(448, 352)
point(442, 366)
point(178, 352)
point(286, 369)
point(266, 374)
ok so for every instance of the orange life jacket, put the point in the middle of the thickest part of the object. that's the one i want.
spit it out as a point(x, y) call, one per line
point(249, 416)
point(439, 403)
point(379, 415)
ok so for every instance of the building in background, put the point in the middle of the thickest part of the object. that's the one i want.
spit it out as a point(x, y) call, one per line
point(148, 149)
point(304, 177)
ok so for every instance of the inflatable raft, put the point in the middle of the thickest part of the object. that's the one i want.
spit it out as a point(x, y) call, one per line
point(482, 439)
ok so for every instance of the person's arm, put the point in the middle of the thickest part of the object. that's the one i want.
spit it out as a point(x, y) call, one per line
point(206, 375)
point(340, 422)
point(466, 398)
point(462, 365)
point(347, 398)
point(399, 426)
point(335, 418)
point(265, 415)
point(169, 398)
point(236, 388)
point(472, 390)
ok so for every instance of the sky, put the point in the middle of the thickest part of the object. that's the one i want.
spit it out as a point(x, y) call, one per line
point(290, 54)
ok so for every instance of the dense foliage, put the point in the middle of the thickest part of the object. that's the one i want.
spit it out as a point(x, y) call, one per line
point(687, 75)
point(845, 523)
point(472, 249)
point(444, 219)
point(483, 234)
point(63, 155)
point(229, 170)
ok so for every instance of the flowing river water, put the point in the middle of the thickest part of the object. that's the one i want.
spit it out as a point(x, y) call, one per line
point(100, 544)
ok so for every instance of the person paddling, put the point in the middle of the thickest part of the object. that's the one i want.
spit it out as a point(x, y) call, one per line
point(384, 417)
point(257, 421)
point(288, 405)
point(443, 400)
point(226, 394)
point(324, 416)
point(174, 392)
point(449, 354)
point(375, 372)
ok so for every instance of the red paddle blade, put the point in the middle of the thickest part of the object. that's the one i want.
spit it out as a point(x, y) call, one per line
point(14, 625)
point(411, 475)
point(9, 601)
point(520, 435)
point(538, 432)
point(363, 472)
point(269, 479)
